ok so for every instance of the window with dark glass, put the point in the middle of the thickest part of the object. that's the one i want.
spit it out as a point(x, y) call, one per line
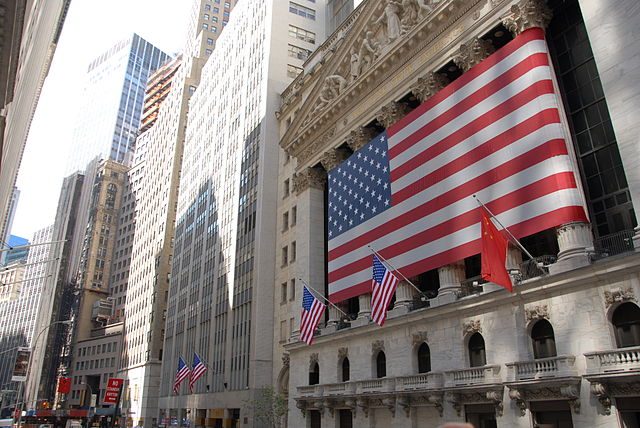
point(544, 342)
point(424, 358)
point(477, 356)
point(345, 369)
point(626, 320)
point(314, 374)
point(608, 198)
point(381, 365)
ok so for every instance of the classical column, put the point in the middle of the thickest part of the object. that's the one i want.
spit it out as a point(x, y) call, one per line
point(472, 53)
point(404, 298)
point(575, 241)
point(308, 185)
point(429, 85)
point(391, 113)
point(527, 14)
point(450, 277)
point(364, 314)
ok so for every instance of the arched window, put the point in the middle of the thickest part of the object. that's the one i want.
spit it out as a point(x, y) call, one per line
point(345, 369)
point(381, 365)
point(626, 320)
point(477, 357)
point(544, 342)
point(314, 374)
point(424, 358)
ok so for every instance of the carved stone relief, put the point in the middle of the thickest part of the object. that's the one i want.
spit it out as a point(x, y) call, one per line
point(536, 312)
point(618, 295)
point(342, 353)
point(359, 137)
point(391, 113)
point(313, 359)
point(377, 345)
point(286, 360)
point(471, 327)
point(419, 337)
point(333, 158)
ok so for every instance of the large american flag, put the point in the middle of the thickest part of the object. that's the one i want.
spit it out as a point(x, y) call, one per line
point(312, 310)
point(383, 286)
point(197, 370)
point(494, 132)
point(181, 374)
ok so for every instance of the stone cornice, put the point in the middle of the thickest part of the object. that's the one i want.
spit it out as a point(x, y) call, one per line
point(600, 274)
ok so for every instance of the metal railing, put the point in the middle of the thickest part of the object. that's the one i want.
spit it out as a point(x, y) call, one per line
point(614, 243)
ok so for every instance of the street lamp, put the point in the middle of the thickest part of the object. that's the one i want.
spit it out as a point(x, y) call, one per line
point(33, 346)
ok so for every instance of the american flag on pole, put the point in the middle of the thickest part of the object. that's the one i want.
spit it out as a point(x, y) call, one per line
point(181, 374)
point(312, 310)
point(383, 287)
point(496, 132)
point(197, 370)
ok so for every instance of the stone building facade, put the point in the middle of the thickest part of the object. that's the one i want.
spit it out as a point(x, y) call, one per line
point(560, 351)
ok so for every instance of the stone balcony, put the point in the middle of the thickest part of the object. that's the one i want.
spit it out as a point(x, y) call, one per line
point(553, 378)
point(476, 385)
point(613, 373)
point(485, 375)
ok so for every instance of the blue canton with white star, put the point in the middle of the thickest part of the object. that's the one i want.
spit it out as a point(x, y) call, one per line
point(378, 270)
point(359, 188)
point(307, 299)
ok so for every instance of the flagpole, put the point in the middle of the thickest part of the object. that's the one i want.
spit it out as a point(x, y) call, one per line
point(398, 271)
point(323, 298)
point(515, 240)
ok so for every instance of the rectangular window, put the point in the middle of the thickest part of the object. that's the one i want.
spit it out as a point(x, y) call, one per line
point(302, 34)
point(285, 256)
point(216, 10)
point(206, 16)
point(207, 7)
point(209, 41)
point(293, 71)
point(286, 188)
point(283, 330)
point(227, 4)
point(283, 292)
point(302, 11)
point(214, 18)
point(292, 294)
point(205, 26)
point(293, 251)
point(285, 221)
point(294, 215)
point(298, 52)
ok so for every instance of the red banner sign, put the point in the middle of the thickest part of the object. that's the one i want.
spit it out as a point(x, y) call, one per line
point(64, 385)
point(112, 391)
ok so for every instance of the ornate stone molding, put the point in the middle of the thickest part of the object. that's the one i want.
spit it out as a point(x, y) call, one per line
point(602, 394)
point(618, 295)
point(363, 403)
point(391, 113)
point(377, 346)
point(473, 52)
point(342, 353)
point(536, 313)
point(302, 405)
point(313, 359)
point(471, 327)
point(333, 158)
point(286, 360)
point(568, 389)
point(315, 147)
point(419, 337)
point(491, 395)
point(527, 14)
point(309, 178)
point(429, 85)
point(521, 403)
point(359, 137)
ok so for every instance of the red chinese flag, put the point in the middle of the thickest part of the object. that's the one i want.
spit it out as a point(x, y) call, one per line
point(494, 254)
point(64, 385)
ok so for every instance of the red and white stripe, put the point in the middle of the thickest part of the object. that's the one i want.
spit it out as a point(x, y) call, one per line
point(494, 132)
point(381, 297)
point(309, 321)
point(197, 372)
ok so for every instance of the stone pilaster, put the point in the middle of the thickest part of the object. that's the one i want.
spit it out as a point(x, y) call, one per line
point(359, 137)
point(391, 113)
point(527, 14)
point(309, 231)
point(429, 85)
point(574, 241)
point(333, 158)
point(472, 53)
point(450, 277)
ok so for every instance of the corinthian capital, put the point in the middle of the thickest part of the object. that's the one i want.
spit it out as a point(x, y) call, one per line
point(429, 85)
point(359, 137)
point(527, 14)
point(333, 158)
point(391, 113)
point(309, 178)
point(473, 52)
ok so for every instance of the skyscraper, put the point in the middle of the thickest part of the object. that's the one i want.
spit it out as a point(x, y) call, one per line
point(118, 79)
point(221, 292)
